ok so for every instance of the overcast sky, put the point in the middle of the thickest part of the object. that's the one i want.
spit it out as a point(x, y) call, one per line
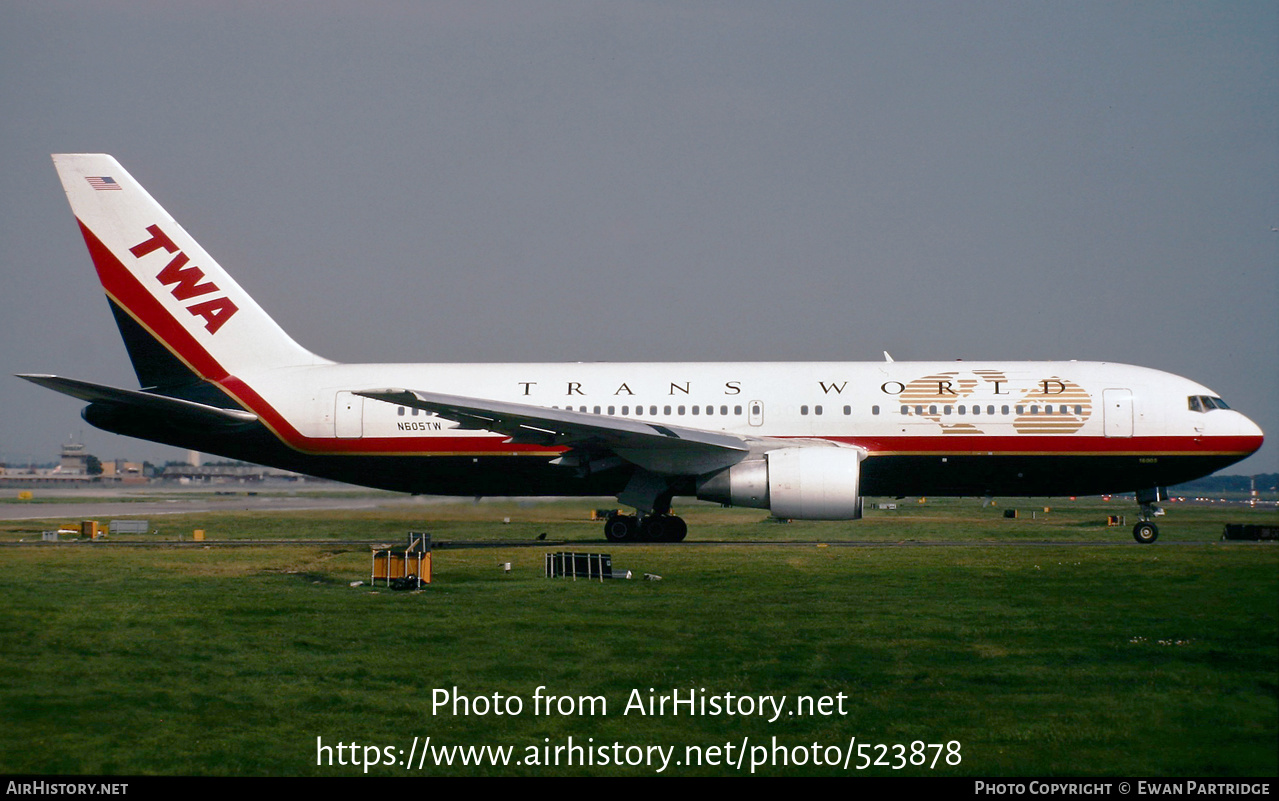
point(646, 181)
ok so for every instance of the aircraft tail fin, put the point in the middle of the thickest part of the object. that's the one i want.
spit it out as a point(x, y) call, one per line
point(182, 317)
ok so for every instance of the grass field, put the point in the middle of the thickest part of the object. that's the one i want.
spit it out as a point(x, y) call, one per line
point(1039, 656)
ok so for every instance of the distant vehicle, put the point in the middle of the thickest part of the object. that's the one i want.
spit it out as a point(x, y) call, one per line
point(805, 440)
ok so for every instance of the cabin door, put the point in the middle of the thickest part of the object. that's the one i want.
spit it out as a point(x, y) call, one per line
point(1117, 411)
point(348, 416)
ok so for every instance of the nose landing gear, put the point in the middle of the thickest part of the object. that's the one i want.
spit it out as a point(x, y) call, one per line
point(1146, 532)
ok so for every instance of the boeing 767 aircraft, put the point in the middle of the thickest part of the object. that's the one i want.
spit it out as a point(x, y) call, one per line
point(805, 440)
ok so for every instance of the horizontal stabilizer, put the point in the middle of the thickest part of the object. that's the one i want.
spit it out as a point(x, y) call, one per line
point(142, 401)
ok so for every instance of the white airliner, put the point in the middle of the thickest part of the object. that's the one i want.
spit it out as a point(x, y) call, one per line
point(805, 440)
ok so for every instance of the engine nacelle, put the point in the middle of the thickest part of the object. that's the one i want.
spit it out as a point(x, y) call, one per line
point(811, 483)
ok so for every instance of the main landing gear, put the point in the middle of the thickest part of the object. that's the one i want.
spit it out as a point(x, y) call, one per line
point(650, 528)
point(1146, 531)
point(650, 494)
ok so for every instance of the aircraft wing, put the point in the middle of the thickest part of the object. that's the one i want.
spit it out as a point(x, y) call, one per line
point(662, 448)
point(143, 401)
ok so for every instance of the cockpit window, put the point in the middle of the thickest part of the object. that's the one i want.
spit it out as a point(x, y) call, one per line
point(1205, 403)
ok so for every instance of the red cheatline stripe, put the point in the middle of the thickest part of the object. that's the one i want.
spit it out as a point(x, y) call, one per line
point(1055, 445)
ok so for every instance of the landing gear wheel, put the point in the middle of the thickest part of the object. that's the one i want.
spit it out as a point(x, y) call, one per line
point(678, 529)
point(654, 528)
point(663, 528)
point(622, 528)
point(1145, 532)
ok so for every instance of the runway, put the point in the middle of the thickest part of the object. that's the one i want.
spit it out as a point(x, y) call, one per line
point(99, 502)
point(457, 545)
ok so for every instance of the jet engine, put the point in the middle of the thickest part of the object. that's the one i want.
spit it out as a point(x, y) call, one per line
point(802, 483)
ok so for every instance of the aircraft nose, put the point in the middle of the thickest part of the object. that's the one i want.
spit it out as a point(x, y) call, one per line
point(1251, 431)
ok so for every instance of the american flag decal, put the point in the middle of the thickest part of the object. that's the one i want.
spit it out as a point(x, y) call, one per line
point(103, 183)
